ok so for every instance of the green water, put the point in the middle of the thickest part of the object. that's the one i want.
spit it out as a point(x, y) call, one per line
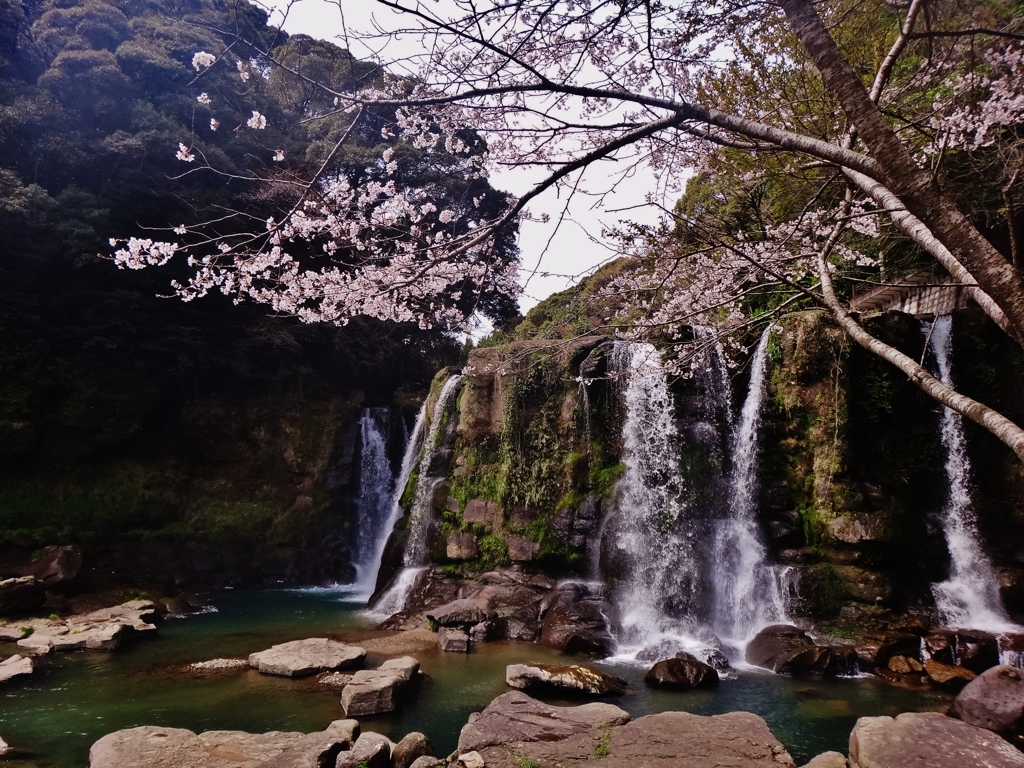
point(78, 697)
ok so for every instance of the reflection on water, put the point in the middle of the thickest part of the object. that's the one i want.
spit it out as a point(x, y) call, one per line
point(79, 697)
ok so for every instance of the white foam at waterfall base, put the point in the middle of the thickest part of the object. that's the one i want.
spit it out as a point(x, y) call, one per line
point(969, 598)
point(414, 559)
point(749, 594)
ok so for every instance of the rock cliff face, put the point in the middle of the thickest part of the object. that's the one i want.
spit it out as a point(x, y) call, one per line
point(851, 474)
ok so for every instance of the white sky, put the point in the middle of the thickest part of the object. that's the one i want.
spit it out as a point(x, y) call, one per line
point(572, 242)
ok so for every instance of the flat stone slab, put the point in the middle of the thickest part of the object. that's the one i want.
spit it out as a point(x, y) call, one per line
point(154, 747)
point(516, 730)
point(928, 740)
point(101, 630)
point(15, 666)
point(374, 691)
point(577, 678)
point(301, 658)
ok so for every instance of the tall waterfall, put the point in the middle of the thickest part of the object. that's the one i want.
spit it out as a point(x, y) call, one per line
point(653, 537)
point(969, 598)
point(386, 503)
point(414, 559)
point(376, 487)
point(747, 591)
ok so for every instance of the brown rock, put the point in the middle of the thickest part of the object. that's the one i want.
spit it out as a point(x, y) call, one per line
point(21, 594)
point(575, 622)
point(54, 566)
point(904, 665)
point(412, 747)
point(928, 740)
point(865, 585)
point(300, 658)
point(995, 701)
point(516, 717)
point(371, 750)
point(856, 528)
point(462, 546)
point(482, 513)
point(374, 691)
point(788, 650)
point(521, 550)
point(828, 760)
point(682, 673)
point(576, 678)
point(947, 676)
point(464, 611)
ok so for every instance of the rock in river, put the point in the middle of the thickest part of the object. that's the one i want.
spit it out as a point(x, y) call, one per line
point(576, 678)
point(788, 650)
point(682, 673)
point(373, 691)
point(15, 666)
point(994, 700)
point(301, 658)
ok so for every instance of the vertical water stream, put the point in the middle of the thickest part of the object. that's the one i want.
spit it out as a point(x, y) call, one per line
point(969, 598)
point(414, 559)
point(376, 487)
point(747, 591)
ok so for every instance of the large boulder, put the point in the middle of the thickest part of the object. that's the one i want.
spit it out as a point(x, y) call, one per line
point(994, 700)
point(573, 678)
point(15, 666)
point(301, 658)
point(156, 747)
point(411, 748)
point(575, 622)
point(374, 691)
point(371, 750)
point(516, 717)
point(516, 730)
point(453, 640)
point(465, 611)
point(928, 740)
point(682, 673)
point(788, 650)
point(21, 594)
point(55, 565)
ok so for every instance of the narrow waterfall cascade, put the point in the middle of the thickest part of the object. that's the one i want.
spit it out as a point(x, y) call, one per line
point(371, 548)
point(969, 598)
point(414, 559)
point(748, 592)
point(376, 488)
point(652, 540)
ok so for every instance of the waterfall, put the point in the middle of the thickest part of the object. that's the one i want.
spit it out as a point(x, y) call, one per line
point(748, 593)
point(371, 548)
point(376, 487)
point(969, 598)
point(652, 539)
point(414, 559)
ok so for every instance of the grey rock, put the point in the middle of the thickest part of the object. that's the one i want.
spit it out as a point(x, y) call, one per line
point(426, 762)
point(453, 640)
point(465, 611)
point(300, 658)
point(411, 748)
point(482, 512)
point(788, 650)
point(15, 666)
point(319, 749)
point(471, 760)
point(856, 528)
point(994, 700)
point(521, 550)
point(928, 740)
point(21, 594)
point(577, 678)
point(373, 691)
point(682, 673)
point(4, 748)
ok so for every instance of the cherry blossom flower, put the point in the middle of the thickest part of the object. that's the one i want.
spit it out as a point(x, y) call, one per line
point(257, 121)
point(184, 153)
point(203, 60)
point(203, 98)
point(214, 124)
point(278, 155)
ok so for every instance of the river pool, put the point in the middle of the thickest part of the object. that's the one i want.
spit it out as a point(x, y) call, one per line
point(75, 698)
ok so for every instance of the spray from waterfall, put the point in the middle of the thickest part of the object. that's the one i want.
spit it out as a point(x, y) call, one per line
point(414, 559)
point(969, 598)
point(748, 593)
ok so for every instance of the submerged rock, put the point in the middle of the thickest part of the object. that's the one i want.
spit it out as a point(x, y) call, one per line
point(995, 701)
point(301, 658)
point(453, 640)
point(928, 740)
point(682, 673)
point(373, 691)
point(575, 678)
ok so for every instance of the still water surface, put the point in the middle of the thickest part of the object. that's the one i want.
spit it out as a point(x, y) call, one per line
point(78, 697)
